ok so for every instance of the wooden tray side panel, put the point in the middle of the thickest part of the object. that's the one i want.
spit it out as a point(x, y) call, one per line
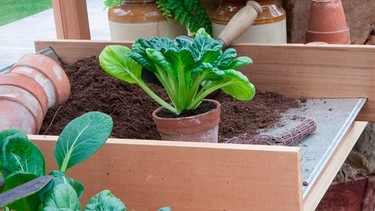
point(328, 71)
point(195, 177)
point(69, 51)
point(295, 70)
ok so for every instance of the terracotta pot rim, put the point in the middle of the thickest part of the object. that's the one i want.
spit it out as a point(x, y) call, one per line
point(53, 72)
point(33, 88)
point(217, 103)
point(328, 32)
point(325, 1)
point(25, 93)
point(36, 114)
point(28, 122)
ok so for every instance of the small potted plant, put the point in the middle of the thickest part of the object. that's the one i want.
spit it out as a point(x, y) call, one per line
point(189, 71)
point(130, 19)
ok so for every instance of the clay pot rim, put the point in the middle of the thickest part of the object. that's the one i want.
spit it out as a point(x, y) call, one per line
point(38, 91)
point(217, 109)
point(32, 88)
point(328, 32)
point(59, 79)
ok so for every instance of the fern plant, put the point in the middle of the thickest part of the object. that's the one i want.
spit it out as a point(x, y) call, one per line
point(112, 3)
point(187, 12)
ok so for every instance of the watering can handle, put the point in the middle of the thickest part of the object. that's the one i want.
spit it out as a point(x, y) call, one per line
point(240, 22)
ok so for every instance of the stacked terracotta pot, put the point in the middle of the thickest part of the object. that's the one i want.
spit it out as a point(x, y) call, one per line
point(327, 23)
point(34, 84)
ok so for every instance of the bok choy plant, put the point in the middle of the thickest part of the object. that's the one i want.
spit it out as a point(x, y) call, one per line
point(27, 187)
point(188, 70)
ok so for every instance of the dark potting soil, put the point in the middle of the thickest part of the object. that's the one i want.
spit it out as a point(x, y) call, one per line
point(130, 107)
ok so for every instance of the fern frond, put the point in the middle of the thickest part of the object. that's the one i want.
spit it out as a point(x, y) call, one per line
point(187, 12)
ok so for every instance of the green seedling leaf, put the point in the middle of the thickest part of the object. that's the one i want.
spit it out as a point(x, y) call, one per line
point(23, 191)
point(105, 200)
point(81, 138)
point(10, 132)
point(237, 85)
point(117, 64)
point(19, 154)
point(60, 177)
point(61, 197)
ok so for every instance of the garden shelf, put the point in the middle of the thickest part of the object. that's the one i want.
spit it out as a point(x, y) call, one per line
point(337, 80)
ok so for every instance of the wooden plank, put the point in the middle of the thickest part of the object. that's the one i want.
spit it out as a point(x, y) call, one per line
point(147, 175)
point(328, 71)
point(71, 19)
point(295, 70)
point(70, 51)
point(318, 188)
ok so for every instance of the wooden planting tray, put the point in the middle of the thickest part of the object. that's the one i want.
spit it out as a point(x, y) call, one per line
point(149, 174)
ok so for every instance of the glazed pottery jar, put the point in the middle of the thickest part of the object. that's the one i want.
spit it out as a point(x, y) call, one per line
point(269, 27)
point(210, 6)
point(141, 18)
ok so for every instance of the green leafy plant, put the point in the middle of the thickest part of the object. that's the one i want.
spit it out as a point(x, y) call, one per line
point(112, 3)
point(188, 70)
point(23, 168)
point(188, 12)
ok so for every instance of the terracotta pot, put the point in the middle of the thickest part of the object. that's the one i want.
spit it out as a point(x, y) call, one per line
point(199, 128)
point(141, 18)
point(23, 103)
point(48, 74)
point(35, 83)
point(268, 27)
point(327, 23)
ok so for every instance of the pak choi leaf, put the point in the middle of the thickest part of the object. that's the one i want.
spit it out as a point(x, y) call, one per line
point(19, 154)
point(61, 197)
point(81, 138)
point(105, 200)
point(188, 70)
